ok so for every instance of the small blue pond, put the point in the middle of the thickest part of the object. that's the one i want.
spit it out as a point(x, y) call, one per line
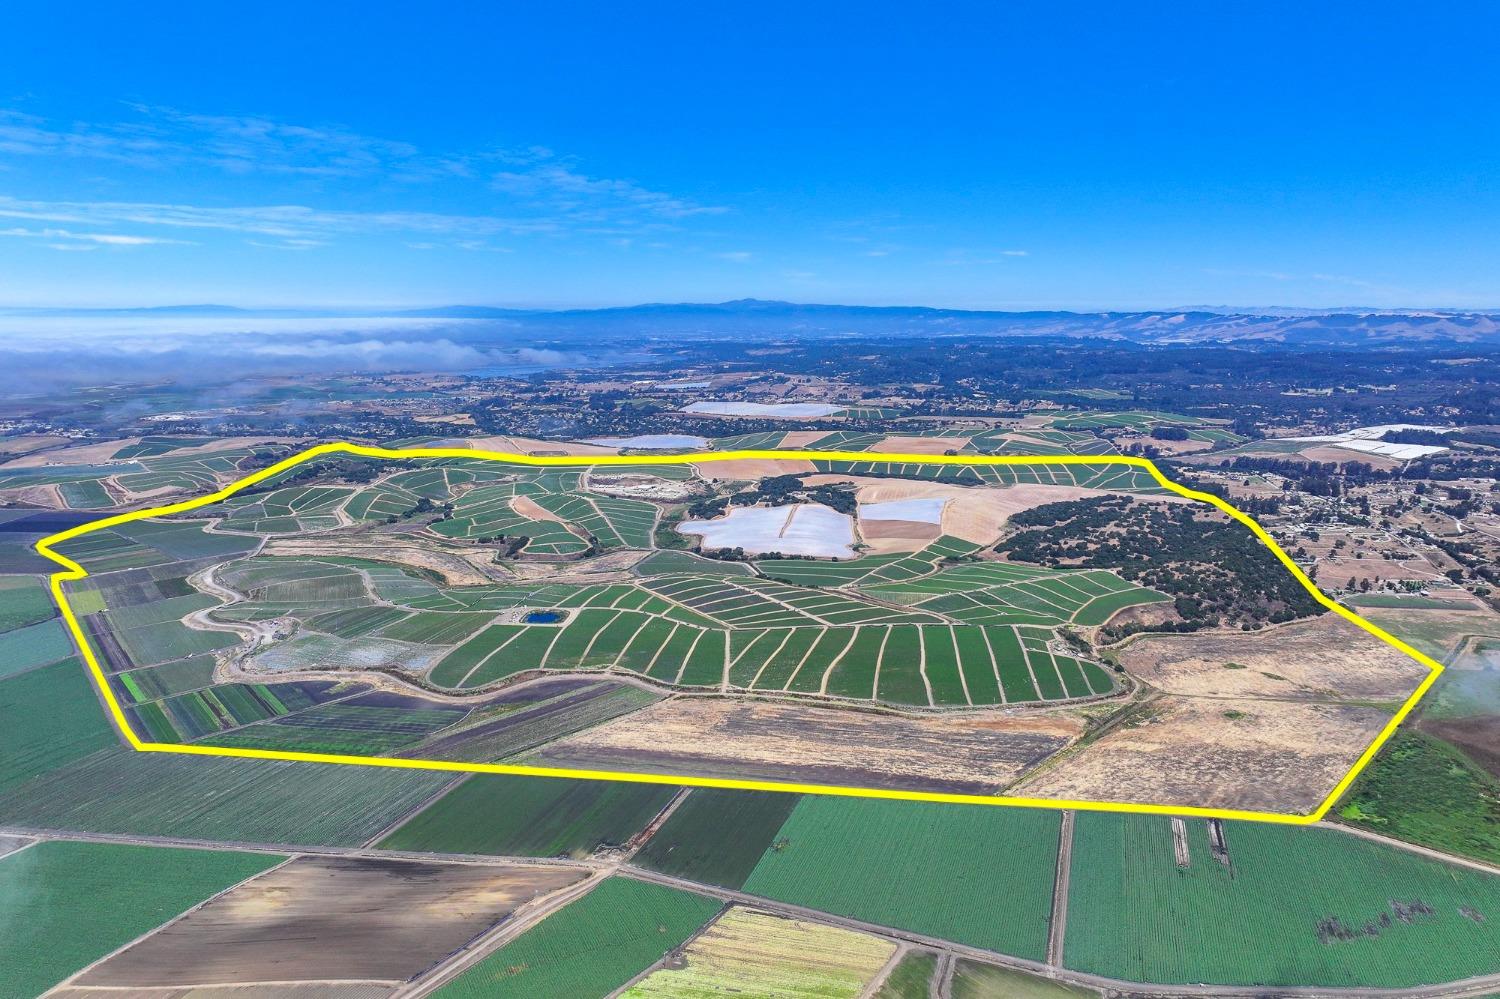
point(543, 617)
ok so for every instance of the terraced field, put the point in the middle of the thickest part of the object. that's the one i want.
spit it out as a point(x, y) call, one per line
point(476, 577)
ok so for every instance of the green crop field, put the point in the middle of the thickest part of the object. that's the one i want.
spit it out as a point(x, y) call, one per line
point(49, 717)
point(911, 979)
point(1292, 906)
point(716, 835)
point(590, 947)
point(34, 645)
point(531, 816)
point(933, 869)
point(24, 600)
point(972, 980)
point(258, 801)
point(65, 905)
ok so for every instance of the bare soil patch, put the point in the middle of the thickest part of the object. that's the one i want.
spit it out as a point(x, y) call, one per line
point(898, 535)
point(331, 918)
point(918, 445)
point(1478, 737)
point(532, 510)
point(1343, 455)
point(973, 513)
point(531, 445)
point(975, 753)
point(456, 568)
point(752, 468)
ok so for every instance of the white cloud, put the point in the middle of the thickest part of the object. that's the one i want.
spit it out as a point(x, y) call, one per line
point(96, 238)
point(738, 256)
point(288, 222)
point(549, 190)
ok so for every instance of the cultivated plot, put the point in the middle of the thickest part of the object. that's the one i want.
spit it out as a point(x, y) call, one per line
point(428, 598)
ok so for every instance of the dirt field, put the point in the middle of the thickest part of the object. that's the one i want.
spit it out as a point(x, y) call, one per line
point(797, 439)
point(973, 513)
point(1241, 753)
point(1323, 657)
point(976, 753)
point(897, 535)
point(919, 445)
point(532, 510)
point(457, 569)
point(281, 990)
point(530, 445)
point(1343, 454)
point(329, 919)
point(752, 468)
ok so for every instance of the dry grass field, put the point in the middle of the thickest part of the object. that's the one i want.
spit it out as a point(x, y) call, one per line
point(979, 752)
point(1240, 753)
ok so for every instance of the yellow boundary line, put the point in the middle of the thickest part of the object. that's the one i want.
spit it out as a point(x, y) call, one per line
point(75, 571)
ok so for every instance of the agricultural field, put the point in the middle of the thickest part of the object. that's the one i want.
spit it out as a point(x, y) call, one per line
point(716, 836)
point(367, 607)
point(68, 904)
point(590, 947)
point(834, 854)
point(49, 718)
point(749, 952)
point(530, 816)
point(1427, 791)
point(24, 600)
point(330, 919)
point(972, 980)
point(911, 978)
point(243, 800)
point(1265, 905)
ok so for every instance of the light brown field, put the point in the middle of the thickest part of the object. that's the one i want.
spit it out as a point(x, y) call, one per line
point(1338, 568)
point(1178, 447)
point(330, 919)
point(527, 445)
point(752, 953)
point(532, 510)
point(85, 454)
point(31, 442)
point(918, 445)
point(1343, 454)
point(457, 568)
point(798, 439)
point(1241, 753)
point(972, 513)
point(281, 990)
point(898, 535)
point(752, 468)
point(1323, 657)
point(978, 753)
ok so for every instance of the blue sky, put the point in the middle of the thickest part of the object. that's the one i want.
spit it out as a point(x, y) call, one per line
point(990, 155)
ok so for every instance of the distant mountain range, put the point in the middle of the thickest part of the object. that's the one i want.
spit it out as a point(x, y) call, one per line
point(771, 319)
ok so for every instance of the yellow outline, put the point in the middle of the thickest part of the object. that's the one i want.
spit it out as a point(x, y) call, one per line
point(76, 571)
